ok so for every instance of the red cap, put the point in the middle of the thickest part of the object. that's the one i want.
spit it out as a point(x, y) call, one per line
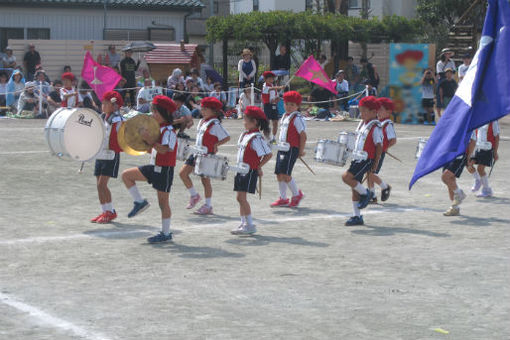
point(255, 112)
point(387, 103)
point(370, 103)
point(68, 75)
point(165, 102)
point(268, 74)
point(292, 97)
point(114, 97)
point(212, 103)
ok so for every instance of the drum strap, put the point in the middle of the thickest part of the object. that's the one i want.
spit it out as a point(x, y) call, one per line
point(363, 132)
point(244, 141)
point(284, 125)
point(203, 128)
point(386, 122)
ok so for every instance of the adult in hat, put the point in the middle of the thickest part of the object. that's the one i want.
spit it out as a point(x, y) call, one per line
point(247, 68)
point(466, 58)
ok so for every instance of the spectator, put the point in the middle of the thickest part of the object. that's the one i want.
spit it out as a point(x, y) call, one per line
point(209, 85)
point(195, 77)
point(427, 94)
point(28, 101)
point(3, 89)
point(54, 99)
point(445, 62)
point(112, 58)
point(30, 60)
point(193, 101)
point(322, 97)
point(351, 71)
point(128, 69)
point(189, 84)
point(282, 61)
point(9, 60)
point(15, 87)
point(342, 86)
point(464, 67)
point(146, 76)
point(247, 68)
point(87, 98)
point(219, 94)
point(119, 87)
point(144, 97)
point(447, 89)
point(244, 101)
point(179, 88)
point(68, 94)
point(40, 80)
point(368, 72)
point(182, 116)
point(323, 61)
point(67, 68)
point(369, 91)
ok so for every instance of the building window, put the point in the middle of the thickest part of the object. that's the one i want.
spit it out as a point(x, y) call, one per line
point(10, 33)
point(255, 5)
point(126, 34)
point(216, 7)
point(162, 34)
point(38, 33)
point(354, 4)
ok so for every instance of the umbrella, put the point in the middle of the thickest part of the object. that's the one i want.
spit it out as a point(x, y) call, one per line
point(278, 73)
point(139, 46)
point(215, 76)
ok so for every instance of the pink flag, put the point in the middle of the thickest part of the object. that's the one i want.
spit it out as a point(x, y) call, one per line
point(100, 78)
point(312, 71)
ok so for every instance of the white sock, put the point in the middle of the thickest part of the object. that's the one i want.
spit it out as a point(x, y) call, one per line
point(135, 193)
point(192, 191)
point(104, 207)
point(293, 187)
point(283, 189)
point(208, 201)
point(485, 181)
point(355, 209)
point(372, 190)
point(249, 220)
point(383, 185)
point(457, 191)
point(165, 226)
point(243, 219)
point(476, 175)
point(360, 189)
point(109, 206)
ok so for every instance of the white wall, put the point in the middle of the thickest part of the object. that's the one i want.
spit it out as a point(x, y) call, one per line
point(381, 8)
point(245, 6)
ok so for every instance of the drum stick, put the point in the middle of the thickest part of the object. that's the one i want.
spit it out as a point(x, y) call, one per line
point(394, 157)
point(260, 188)
point(81, 167)
point(492, 168)
point(302, 160)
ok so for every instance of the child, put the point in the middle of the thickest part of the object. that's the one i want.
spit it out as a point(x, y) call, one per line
point(254, 151)
point(389, 139)
point(451, 171)
point(366, 155)
point(68, 93)
point(486, 154)
point(107, 163)
point(292, 132)
point(244, 101)
point(270, 99)
point(210, 135)
point(160, 173)
point(219, 94)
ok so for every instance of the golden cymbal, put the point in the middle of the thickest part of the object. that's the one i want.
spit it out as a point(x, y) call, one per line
point(134, 128)
point(123, 144)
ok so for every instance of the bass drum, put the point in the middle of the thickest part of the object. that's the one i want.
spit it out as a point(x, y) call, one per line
point(75, 133)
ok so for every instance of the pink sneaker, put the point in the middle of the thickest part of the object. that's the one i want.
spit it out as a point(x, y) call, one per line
point(280, 203)
point(296, 199)
point(204, 210)
point(193, 200)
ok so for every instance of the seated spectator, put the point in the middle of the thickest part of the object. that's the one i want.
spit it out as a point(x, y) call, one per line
point(174, 79)
point(68, 94)
point(144, 97)
point(3, 89)
point(54, 99)
point(28, 101)
point(208, 85)
point(182, 116)
point(40, 80)
point(342, 86)
point(189, 84)
point(219, 94)
point(9, 60)
point(86, 97)
point(146, 76)
point(322, 97)
point(15, 87)
point(195, 77)
point(193, 101)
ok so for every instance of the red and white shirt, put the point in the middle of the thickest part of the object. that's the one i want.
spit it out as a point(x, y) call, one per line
point(70, 101)
point(486, 133)
point(291, 125)
point(252, 146)
point(368, 136)
point(112, 124)
point(210, 132)
point(268, 93)
point(388, 131)
point(168, 137)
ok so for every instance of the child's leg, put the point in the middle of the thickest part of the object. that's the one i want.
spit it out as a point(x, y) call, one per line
point(481, 170)
point(349, 179)
point(166, 213)
point(129, 177)
point(449, 179)
point(105, 196)
point(244, 206)
point(282, 185)
point(484, 179)
point(371, 180)
point(355, 202)
point(206, 182)
point(275, 127)
point(186, 170)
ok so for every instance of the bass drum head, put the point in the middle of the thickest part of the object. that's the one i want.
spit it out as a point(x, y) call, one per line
point(84, 134)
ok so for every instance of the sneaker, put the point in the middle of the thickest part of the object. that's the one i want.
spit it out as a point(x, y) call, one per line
point(294, 202)
point(280, 203)
point(244, 229)
point(364, 199)
point(355, 220)
point(476, 185)
point(458, 198)
point(193, 200)
point(160, 238)
point(204, 210)
point(373, 199)
point(95, 219)
point(107, 217)
point(138, 207)
point(385, 194)
point(453, 211)
point(486, 192)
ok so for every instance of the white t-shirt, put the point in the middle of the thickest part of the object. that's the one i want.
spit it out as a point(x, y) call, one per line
point(462, 70)
point(441, 67)
point(390, 131)
point(145, 93)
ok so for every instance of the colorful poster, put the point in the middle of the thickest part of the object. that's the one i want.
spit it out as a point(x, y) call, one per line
point(407, 62)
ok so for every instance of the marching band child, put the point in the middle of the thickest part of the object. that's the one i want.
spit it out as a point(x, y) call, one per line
point(210, 135)
point(292, 132)
point(68, 94)
point(389, 139)
point(366, 155)
point(486, 154)
point(254, 151)
point(270, 99)
point(107, 163)
point(160, 173)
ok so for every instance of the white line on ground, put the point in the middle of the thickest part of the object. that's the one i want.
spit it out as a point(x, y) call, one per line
point(23, 152)
point(49, 319)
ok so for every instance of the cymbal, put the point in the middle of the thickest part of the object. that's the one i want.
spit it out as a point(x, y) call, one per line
point(123, 144)
point(134, 128)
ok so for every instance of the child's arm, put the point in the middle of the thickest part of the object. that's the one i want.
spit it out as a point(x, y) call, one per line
point(495, 147)
point(263, 161)
point(302, 143)
point(378, 153)
point(221, 142)
point(392, 142)
point(470, 150)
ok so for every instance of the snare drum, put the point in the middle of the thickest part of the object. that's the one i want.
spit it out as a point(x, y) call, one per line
point(182, 148)
point(331, 152)
point(211, 166)
point(347, 138)
point(75, 133)
point(421, 145)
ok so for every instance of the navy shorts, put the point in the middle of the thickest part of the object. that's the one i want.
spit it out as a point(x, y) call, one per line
point(190, 161)
point(360, 168)
point(484, 157)
point(456, 166)
point(271, 111)
point(246, 182)
point(285, 161)
point(161, 177)
point(381, 160)
point(110, 168)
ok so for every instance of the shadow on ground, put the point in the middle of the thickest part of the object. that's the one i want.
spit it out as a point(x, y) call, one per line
point(193, 252)
point(261, 240)
point(390, 231)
